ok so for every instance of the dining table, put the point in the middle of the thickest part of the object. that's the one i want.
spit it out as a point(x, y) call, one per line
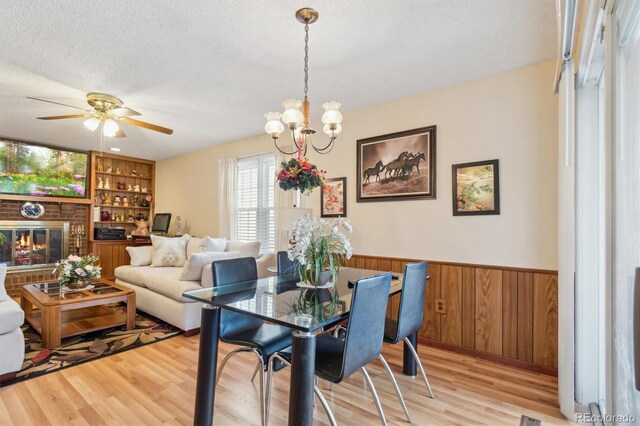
point(279, 300)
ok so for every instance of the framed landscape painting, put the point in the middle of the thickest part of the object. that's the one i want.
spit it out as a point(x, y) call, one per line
point(476, 188)
point(398, 166)
point(333, 198)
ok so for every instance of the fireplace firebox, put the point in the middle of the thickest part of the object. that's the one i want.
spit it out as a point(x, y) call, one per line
point(31, 245)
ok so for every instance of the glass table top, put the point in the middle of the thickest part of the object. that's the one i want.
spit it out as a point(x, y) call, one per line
point(56, 292)
point(279, 300)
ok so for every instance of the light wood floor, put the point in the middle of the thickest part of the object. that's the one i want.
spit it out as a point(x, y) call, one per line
point(155, 384)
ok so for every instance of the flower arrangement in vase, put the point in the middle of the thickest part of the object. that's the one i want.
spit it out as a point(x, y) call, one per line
point(299, 173)
point(77, 271)
point(319, 247)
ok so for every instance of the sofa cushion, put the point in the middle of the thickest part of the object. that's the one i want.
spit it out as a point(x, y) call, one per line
point(3, 291)
point(11, 316)
point(193, 246)
point(213, 244)
point(169, 251)
point(135, 275)
point(192, 270)
point(170, 285)
point(247, 249)
point(140, 256)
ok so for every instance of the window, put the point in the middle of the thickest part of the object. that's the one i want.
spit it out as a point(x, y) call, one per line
point(256, 201)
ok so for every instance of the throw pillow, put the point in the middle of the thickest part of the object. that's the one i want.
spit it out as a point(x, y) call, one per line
point(140, 256)
point(213, 244)
point(192, 270)
point(193, 246)
point(3, 291)
point(247, 249)
point(169, 251)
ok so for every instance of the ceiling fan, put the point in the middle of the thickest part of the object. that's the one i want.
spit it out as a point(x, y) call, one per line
point(106, 111)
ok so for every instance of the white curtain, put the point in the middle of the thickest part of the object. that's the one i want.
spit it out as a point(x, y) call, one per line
point(227, 194)
point(283, 199)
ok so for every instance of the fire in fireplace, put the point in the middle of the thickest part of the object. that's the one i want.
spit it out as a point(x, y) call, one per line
point(33, 244)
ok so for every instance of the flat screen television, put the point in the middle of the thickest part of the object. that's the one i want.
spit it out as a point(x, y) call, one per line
point(36, 170)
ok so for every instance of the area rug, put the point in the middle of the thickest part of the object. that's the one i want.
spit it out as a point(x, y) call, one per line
point(88, 347)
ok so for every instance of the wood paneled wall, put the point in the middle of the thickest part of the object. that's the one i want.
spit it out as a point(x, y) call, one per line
point(505, 314)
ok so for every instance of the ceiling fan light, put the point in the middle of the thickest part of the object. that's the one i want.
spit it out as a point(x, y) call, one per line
point(110, 128)
point(92, 123)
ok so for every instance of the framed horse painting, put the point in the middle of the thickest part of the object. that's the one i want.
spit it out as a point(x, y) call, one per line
point(333, 199)
point(397, 166)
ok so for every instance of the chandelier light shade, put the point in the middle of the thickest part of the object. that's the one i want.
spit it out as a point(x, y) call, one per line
point(110, 128)
point(92, 124)
point(297, 120)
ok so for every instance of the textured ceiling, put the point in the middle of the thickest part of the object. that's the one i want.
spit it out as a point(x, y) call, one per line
point(211, 69)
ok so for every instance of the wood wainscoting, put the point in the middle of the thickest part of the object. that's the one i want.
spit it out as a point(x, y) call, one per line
point(504, 314)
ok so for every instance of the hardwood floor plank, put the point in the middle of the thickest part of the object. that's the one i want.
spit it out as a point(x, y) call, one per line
point(155, 384)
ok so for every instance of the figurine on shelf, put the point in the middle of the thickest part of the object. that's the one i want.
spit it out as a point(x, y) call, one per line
point(129, 188)
point(125, 201)
point(105, 198)
point(136, 188)
point(140, 173)
point(142, 229)
point(109, 169)
point(122, 218)
point(130, 217)
point(104, 216)
point(118, 171)
point(113, 217)
point(116, 201)
point(143, 189)
point(107, 185)
point(146, 201)
point(136, 201)
point(134, 172)
point(100, 184)
point(179, 226)
point(122, 186)
point(99, 166)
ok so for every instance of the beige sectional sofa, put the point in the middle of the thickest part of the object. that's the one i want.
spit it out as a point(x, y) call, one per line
point(159, 288)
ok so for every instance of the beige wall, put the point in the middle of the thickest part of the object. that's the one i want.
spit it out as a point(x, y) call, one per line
point(510, 116)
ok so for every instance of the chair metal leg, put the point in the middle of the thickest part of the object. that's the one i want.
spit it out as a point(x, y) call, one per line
point(325, 404)
point(415, 355)
point(263, 396)
point(255, 372)
point(229, 355)
point(396, 387)
point(375, 396)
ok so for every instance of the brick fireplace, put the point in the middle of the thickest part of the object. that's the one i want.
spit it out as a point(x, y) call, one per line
point(75, 214)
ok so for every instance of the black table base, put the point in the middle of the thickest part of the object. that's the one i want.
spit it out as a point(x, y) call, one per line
point(207, 365)
point(408, 361)
point(303, 361)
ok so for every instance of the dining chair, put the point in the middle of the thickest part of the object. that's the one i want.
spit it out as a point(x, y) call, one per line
point(252, 334)
point(410, 313)
point(337, 359)
point(284, 264)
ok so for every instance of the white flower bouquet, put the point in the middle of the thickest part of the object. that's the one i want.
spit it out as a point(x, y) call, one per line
point(77, 268)
point(319, 246)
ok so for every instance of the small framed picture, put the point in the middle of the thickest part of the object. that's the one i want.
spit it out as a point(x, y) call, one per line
point(333, 198)
point(476, 188)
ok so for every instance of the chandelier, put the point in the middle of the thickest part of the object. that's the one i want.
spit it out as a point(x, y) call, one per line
point(298, 121)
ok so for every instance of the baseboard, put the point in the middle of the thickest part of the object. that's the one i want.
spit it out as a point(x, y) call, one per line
point(490, 357)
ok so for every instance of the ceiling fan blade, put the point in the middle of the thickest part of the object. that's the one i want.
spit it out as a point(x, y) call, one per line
point(61, 117)
point(56, 103)
point(120, 134)
point(146, 125)
point(124, 111)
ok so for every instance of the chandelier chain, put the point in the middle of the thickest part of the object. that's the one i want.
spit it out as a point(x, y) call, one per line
point(306, 59)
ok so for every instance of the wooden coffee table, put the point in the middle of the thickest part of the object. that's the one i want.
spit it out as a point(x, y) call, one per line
point(59, 314)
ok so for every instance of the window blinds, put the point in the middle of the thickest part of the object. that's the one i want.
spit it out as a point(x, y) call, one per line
point(256, 203)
